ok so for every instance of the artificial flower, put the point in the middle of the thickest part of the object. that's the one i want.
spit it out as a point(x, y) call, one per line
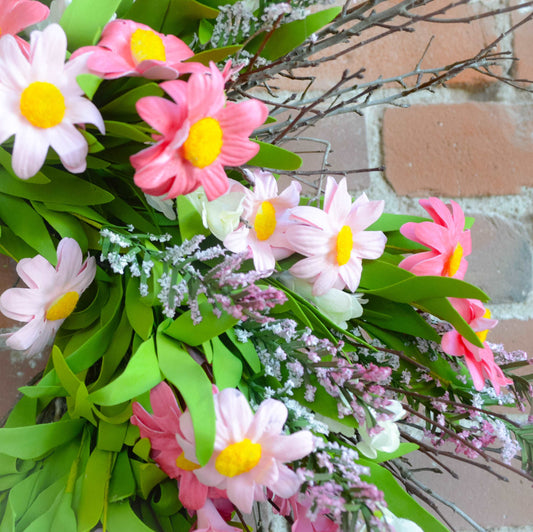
point(266, 217)
point(387, 440)
point(250, 450)
point(51, 296)
point(40, 102)
point(210, 520)
point(128, 48)
point(16, 15)
point(223, 214)
point(161, 428)
point(200, 133)
point(479, 360)
point(446, 238)
point(397, 524)
point(334, 239)
point(162, 205)
point(339, 306)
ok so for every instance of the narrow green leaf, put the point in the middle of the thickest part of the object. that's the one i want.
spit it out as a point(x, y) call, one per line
point(140, 316)
point(216, 55)
point(184, 15)
point(190, 220)
point(227, 368)
point(127, 131)
point(149, 12)
point(141, 374)
point(270, 156)
point(110, 436)
point(124, 105)
point(89, 84)
point(28, 225)
point(184, 329)
point(192, 382)
point(36, 440)
point(122, 484)
point(121, 517)
point(94, 489)
point(247, 350)
point(205, 31)
point(83, 20)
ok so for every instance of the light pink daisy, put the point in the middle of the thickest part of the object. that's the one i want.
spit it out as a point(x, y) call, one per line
point(446, 238)
point(210, 520)
point(200, 134)
point(299, 506)
point(40, 102)
point(129, 48)
point(250, 450)
point(266, 217)
point(16, 15)
point(161, 428)
point(479, 361)
point(51, 296)
point(334, 239)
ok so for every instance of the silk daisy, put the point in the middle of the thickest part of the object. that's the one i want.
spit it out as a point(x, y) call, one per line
point(250, 450)
point(334, 239)
point(445, 237)
point(51, 296)
point(479, 361)
point(129, 48)
point(199, 134)
point(40, 102)
point(266, 218)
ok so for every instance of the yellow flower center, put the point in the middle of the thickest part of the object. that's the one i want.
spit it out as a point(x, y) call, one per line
point(146, 44)
point(265, 221)
point(204, 143)
point(185, 464)
point(62, 307)
point(453, 263)
point(344, 245)
point(42, 104)
point(482, 335)
point(238, 458)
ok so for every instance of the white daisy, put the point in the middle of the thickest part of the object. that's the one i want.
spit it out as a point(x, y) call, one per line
point(40, 102)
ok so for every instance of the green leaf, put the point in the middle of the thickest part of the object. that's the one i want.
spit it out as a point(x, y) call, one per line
point(270, 156)
point(227, 368)
point(205, 31)
point(216, 55)
point(147, 476)
point(111, 436)
point(123, 130)
point(403, 449)
point(124, 105)
point(121, 517)
point(190, 220)
point(141, 374)
point(184, 329)
point(140, 316)
point(149, 12)
point(286, 38)
point(398, 501)
point(65, 224)
point(36, 440)
point(191, 381)
point(14, 246)
point(183, 15)
point(63, 188)
point(5, 161)
point(247, 350)
point(122, 484)
point(94, 489)
point(28, 225)
point(89, 84)
point(393, 222)
point(83, 20)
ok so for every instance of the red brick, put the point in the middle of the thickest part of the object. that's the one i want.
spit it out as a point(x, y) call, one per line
point(523, 45)
point(468, 149)
point(400, 52)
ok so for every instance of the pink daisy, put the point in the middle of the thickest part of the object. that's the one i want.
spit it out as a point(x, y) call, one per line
point(41, 102)
point(129, 48)
point(334, 239)
point(250, 450)
point(479, 361)
point(51, 296)
point(200, 133)
point(16, 15)
point(299, 505)
point(446, 238)
point(210, 520)
point(266, 217)
point(161, 428)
